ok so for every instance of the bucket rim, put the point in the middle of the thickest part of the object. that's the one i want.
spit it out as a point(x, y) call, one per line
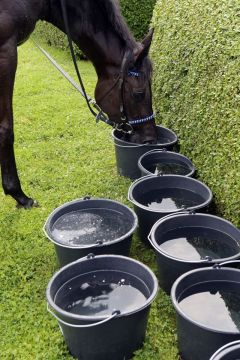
point(91, 246)
point(149, 177)
point(114, 137)
point(229, 346)
point(176, 303)
point(164, 219)
point(75, 317)
point(190, 165)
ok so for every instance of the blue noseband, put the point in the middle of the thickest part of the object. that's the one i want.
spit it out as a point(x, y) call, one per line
point(142, 120)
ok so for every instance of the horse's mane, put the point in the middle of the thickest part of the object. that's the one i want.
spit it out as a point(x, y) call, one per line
point(111, 11)
point(98, 16)
point(115, 18)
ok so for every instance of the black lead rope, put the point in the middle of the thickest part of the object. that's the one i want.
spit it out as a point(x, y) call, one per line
point(65, 19)
point(100, 115)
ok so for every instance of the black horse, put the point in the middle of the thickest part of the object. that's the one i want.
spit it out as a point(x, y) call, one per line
point(123, 90)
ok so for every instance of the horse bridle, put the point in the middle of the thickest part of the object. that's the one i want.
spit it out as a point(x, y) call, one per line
point(124, 118)
point(126, 125)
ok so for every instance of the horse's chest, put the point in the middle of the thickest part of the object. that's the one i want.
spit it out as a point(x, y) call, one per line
point(24, 31)
point(22, 15)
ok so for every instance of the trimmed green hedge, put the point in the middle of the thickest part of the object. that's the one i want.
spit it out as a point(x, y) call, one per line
point(54, 37)
point(196, 55)
point(138, 14)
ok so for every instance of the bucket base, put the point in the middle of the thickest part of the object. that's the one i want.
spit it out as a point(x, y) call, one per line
point(80, 343)
point(93, 328)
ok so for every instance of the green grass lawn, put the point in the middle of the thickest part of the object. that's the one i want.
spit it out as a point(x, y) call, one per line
point(61, 155)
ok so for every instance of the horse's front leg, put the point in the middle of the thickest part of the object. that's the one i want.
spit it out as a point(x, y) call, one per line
point(10, 180)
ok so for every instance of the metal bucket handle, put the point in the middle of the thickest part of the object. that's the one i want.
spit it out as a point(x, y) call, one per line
point(130, 198)
point(223, 348)
point(220, 265)
point(113, 315)
point(190, 212)
point(129, 146)
point(161, 150)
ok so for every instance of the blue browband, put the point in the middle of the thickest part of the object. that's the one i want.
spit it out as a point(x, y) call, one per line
point(141, 121)
point(133, 73)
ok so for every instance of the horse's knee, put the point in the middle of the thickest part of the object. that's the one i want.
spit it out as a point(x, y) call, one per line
point(6, 137)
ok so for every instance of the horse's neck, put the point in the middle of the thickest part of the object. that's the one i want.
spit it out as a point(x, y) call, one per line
point(102, 45)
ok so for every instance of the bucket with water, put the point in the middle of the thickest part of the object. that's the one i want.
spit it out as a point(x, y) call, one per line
point(207, 304)
point(127, 153)
point(89, 225)
point(163, 162)
point(154, 197)
point(102, 304)
point(187, 241)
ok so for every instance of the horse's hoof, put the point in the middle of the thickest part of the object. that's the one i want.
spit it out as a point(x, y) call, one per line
point(27, 204)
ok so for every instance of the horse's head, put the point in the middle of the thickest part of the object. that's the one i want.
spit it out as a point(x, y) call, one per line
point(125, 95)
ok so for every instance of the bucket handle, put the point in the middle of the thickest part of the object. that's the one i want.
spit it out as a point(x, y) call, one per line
point(130, 198)
point(129, 147)
point(161, 150)
point(220, 265)
point(191, 212)
point(236, 342)
point(113, 315)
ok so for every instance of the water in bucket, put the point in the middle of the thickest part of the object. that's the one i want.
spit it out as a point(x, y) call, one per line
point(164, 168)
point(197, 243)
point(215, 305)
point(101, 293)
point(86, 227)
point(170, 199)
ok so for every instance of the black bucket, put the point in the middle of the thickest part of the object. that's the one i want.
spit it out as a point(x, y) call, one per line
point(187, 193)
point(230, 351)
point(162, 162)
point(90, 225)
point(188, 241)
point(102, 305)
point(207, 304)
point(127, 153)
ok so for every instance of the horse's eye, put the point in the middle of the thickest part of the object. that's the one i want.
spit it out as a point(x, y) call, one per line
point(138, 95)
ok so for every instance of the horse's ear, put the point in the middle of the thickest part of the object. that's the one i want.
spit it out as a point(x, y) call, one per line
point(144, 47)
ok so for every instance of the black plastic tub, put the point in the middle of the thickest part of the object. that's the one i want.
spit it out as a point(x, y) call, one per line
point(127, 153)
point(102, 305)
point(230, 351)
point(207, 304)
point(187, 241)
point(157, 196)
point(163, 162)
point(89, 225)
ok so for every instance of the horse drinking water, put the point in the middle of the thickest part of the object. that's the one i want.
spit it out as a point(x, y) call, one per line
point(123, 89)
